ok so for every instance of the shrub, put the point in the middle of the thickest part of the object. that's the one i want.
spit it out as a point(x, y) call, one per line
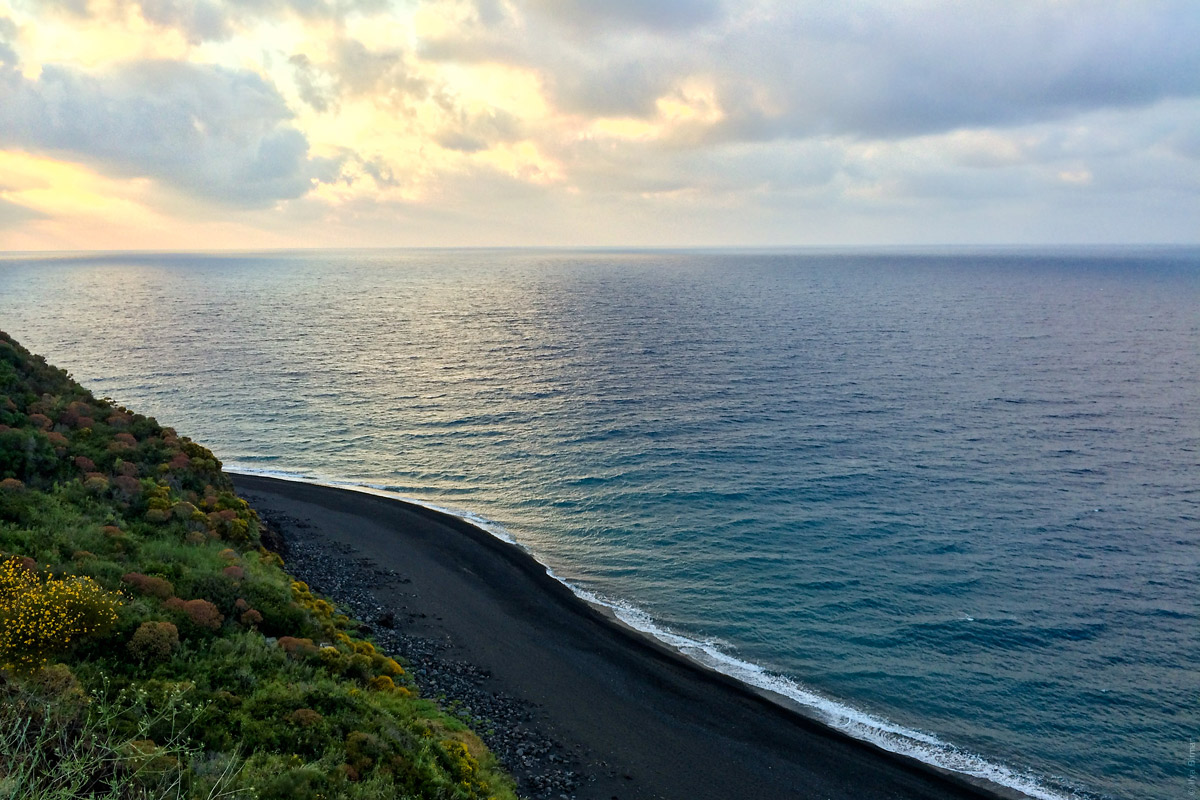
point(40, 617)
point(381, 683)
point(297, 647)
point(96, 483)
point(127, 486)
point(390, 667)
point(154, 641)
point(200, 615)
point(304, 783)
point(204, 614)
point(239, 531)
point(149, 585)
point(363, 750)
point(183, 510)
point(304, 717)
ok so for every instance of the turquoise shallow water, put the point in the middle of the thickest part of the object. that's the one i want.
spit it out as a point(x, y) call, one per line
point(947, 498)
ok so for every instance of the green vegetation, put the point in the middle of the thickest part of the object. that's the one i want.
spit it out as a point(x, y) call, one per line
point(151, 647)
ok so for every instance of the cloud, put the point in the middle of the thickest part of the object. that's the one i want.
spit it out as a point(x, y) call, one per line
point(360, 70)
point(901, 70)
point(8, 34)
point(353, 70)
point(13, 215)
point(662, 16)
point(869, 69)
point(213, 20)
point(198, 20)
point(219, 133)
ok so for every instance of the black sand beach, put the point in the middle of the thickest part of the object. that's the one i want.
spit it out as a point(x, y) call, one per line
point(628, 718)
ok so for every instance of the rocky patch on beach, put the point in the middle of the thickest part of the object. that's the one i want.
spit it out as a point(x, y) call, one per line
point(544, 768)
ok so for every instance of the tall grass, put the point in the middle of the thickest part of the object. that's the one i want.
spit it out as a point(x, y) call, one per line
point(66, 745)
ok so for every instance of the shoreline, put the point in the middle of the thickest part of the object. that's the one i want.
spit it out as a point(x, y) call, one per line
point(769, 739)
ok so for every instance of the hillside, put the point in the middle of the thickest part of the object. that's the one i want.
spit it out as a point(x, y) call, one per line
point(151, 645)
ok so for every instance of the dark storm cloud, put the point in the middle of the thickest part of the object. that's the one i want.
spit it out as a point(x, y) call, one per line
point(218, 133)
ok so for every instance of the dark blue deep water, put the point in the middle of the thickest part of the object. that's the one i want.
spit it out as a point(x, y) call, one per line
point(949, 499)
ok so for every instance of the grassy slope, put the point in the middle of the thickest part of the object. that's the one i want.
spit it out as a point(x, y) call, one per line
point(150, 646)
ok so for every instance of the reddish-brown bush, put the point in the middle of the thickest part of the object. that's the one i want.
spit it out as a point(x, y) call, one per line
point(128, 486)
point(80, 409)
point(204, 614)
point(251, 618)
point(12, 485)
point(40, 421)
point(84, 463)
point(149, 584)
point(234, 572)
point(298, 647)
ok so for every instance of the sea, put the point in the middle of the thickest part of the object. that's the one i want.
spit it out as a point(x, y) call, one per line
point(947, 499)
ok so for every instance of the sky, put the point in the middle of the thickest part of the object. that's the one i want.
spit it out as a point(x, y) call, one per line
point(260, 124)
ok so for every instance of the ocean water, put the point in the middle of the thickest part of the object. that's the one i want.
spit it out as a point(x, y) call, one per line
point(950, 500)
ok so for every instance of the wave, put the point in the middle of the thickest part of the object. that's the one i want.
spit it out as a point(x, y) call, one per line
point(837, 714)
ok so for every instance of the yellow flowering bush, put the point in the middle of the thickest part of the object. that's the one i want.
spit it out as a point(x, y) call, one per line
point(42, 616)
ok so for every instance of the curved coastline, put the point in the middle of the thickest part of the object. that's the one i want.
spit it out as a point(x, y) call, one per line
point(774, 707)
